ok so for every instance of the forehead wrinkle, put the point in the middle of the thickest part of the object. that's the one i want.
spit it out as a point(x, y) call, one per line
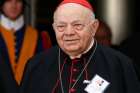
point(68, 10)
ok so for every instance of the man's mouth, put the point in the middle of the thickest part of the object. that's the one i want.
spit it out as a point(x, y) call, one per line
point(71, 40)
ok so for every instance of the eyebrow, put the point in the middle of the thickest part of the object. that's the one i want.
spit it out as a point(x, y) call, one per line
point(60, 22)
point(76, 21)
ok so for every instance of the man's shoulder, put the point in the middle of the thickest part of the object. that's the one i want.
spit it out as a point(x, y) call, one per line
point(49, 53)
point(45, 58)
point(113, 54)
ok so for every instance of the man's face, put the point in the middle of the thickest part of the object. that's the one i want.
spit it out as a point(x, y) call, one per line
point(12, 8)
point(73, 29)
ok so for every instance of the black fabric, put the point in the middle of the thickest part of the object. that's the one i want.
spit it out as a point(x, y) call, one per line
point(130, 47)
point(42, 72)
point(7, 82)
point(19, 36)
point(2, 90)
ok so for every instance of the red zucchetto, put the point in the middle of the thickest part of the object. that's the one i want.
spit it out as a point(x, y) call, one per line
point(84, 3)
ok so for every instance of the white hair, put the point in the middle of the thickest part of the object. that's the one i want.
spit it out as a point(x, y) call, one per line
point(88, 11)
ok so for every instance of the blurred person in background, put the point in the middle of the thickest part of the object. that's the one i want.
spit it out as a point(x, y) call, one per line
point(18, 43)
point(103, 34)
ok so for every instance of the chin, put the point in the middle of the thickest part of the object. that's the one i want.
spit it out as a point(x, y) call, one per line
point(13, 17)
point(72, 48)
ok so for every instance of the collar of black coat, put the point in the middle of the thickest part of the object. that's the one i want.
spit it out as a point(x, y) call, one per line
point(84, 56)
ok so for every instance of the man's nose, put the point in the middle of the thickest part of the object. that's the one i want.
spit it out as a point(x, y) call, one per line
point(69, 30)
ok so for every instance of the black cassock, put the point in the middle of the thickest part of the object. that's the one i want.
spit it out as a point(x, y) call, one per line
point(7, 81)
point(44, 74)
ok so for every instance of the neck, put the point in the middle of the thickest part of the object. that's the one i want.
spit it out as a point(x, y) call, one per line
point(89, 47)
point(12, 24)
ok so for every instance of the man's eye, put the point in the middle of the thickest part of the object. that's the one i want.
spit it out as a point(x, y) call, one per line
point(60, 27)
point(78, 26)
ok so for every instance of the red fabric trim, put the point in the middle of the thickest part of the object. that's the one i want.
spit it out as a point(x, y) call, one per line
point(58, 80)
point(45, 40)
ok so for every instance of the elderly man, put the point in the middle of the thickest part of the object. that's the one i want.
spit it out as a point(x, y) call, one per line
point(79, 64)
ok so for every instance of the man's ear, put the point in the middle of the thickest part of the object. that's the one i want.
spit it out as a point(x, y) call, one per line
point(94, 26)
point(53, 25)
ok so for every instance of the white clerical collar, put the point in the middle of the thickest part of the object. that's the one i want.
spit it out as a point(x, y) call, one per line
point(90, 46)
point(12, 24)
